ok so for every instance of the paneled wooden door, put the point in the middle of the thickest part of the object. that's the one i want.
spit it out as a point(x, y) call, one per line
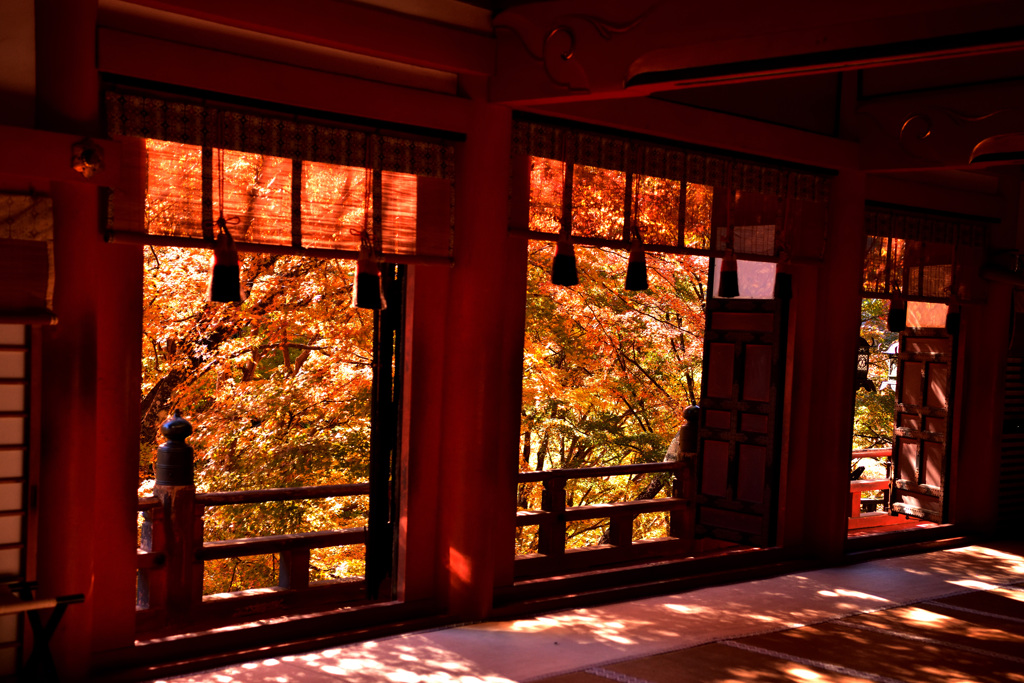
point(923, 431)
point(741, 403)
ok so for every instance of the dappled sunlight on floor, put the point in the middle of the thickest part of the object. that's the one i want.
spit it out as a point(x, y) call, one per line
point(371, 662)
point(869, 596)
point(400, 662)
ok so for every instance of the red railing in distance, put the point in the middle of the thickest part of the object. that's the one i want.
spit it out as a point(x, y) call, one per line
point(873, 511)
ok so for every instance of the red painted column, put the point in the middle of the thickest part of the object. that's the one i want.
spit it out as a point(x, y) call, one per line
point(823, 499)
point(477, 494)
point(90, 371)
point(984, 341)
point(422, 491)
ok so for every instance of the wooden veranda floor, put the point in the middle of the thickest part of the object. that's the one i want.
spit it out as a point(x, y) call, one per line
point(950, 615)
point(976, 636)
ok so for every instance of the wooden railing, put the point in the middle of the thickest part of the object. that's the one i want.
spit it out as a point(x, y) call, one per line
point(552, 555)
point(172, 549)
point(878, 516)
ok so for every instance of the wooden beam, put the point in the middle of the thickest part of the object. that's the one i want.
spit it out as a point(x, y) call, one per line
point(352, 26)
point(174, 63)
point(906, 191)
point(261, 545)
point(32, 153)
point(569, 51)
point(710, 129)
point(134, 19)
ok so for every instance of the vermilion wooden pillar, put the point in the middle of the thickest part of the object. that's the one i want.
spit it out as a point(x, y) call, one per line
point(422, 493)
point(90, 371)
point(984, 342)
point(825, 492)
point(476, 495)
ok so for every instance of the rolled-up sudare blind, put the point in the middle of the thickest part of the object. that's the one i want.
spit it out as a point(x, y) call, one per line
point(284, 184)
point(679, 200)
point(923, 256)
point(26, 259)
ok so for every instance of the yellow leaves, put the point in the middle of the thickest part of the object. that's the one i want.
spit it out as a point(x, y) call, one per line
point(605, 371)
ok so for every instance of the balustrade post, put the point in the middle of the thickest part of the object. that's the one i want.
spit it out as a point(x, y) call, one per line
point(620, 530)
point(294, 571)
point(151, 592)
point(683, 523)
point(551, 535)
point(175, 487)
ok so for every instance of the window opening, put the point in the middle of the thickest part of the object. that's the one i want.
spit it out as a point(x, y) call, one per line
point(293, 394)
point(279, 390)
point(608, 374)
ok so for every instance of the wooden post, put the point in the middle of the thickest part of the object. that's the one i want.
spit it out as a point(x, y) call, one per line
point(152, 583)
point(551, 535)
point(90, 368)
point(482, 351)
point(682, 523)
point(818, 469)
point(620, 530)
point(294, 569)
point(175, 487)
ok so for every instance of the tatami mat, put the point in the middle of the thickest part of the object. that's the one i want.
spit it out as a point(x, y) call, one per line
point(759, 630)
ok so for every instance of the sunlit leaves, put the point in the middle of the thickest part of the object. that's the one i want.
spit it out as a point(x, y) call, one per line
point(277, 389)
point(606, 372)
point(875, 411)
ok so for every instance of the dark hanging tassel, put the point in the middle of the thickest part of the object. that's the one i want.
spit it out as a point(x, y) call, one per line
point(225, 281)
point(368, 290)
point(783, 285)
point(563, 267)
point(728, 278)
point(636, 271)
point(897, 320)
point(953, 319)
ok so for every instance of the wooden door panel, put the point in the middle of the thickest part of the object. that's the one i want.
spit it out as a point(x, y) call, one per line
point(715, 474)
point(910, 423)
point(753, 423)
point(938, 384)
point(913, 378)
point(721, 362)
point(757, 373)
point(921, 438)
point(738, 449)
point(926, 346)
point(750, 478)
point(908, 453)
point(718, 419)
point(738, 523)
point(755, 322)
point(932, 464)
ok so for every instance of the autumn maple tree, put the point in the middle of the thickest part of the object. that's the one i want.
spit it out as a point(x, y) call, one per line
point(607, 372)
point(277, 387)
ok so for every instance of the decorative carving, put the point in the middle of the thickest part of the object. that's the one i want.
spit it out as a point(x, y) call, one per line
point(947, 136)
point(556, 49)
point(87, 158)
point(917, 126)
